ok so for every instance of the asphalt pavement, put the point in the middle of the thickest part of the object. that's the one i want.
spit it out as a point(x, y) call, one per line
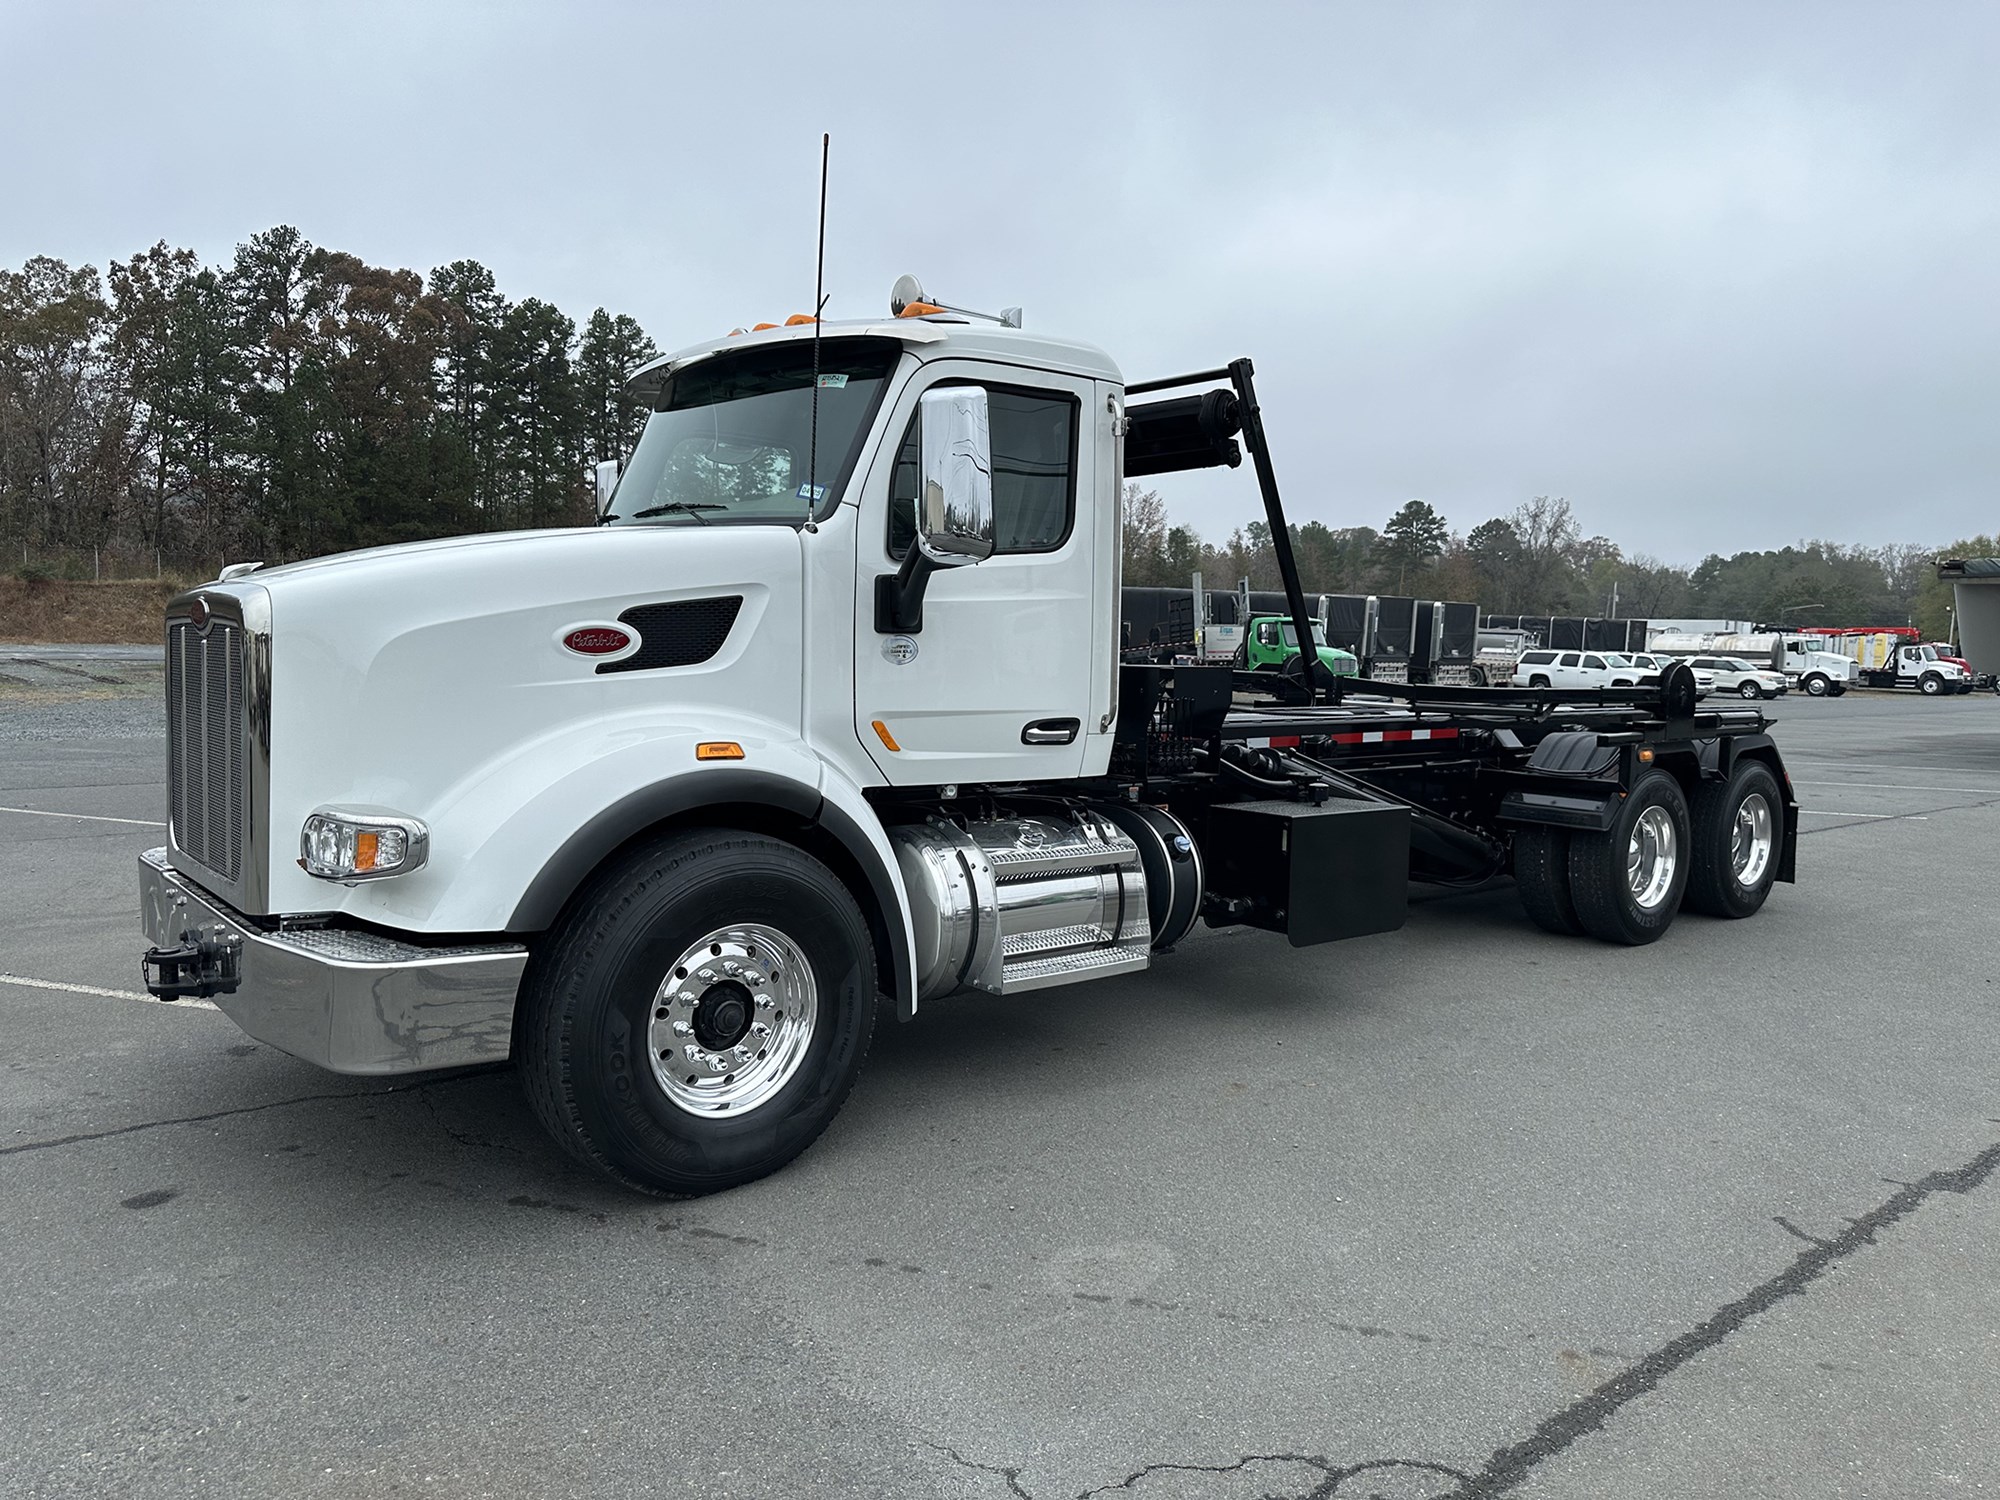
point(1461, 1210)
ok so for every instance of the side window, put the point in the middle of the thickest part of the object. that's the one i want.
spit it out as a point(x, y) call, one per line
point(1034, 472)
point(1568, 659)
point(1596, 663)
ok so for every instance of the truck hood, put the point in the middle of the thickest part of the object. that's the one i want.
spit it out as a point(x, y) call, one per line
point(416, 678)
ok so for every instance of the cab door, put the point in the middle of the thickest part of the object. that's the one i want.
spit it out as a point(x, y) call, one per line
point(996, 686)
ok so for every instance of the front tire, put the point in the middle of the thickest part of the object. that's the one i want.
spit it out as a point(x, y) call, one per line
point(1627, 881)
point(1750, 690)
point(1930, 684)
point(1476, 676)
point(1736, 828)
point(1817, 684)
point(699, 1013)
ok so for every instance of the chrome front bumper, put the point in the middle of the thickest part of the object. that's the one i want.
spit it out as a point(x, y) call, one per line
point(354, 1002)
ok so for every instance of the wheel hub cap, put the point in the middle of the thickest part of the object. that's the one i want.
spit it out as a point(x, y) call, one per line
point(732, 1019)
point(1751, 840)
point(1652, 858)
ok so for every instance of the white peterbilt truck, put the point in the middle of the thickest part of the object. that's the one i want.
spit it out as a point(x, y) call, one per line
point(826, 717)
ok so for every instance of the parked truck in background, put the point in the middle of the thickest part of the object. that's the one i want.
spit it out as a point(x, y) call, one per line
point(1892, 656)
point(1271, 644)
point(1802, 659)
point(830, 716)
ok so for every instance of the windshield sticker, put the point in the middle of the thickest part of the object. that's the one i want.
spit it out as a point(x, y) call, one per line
point(833, 382)
point(811, 492)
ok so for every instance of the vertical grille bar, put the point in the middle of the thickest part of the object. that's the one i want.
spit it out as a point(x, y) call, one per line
point(205, 750)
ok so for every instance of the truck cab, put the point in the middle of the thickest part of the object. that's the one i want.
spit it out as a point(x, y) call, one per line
point(1272, 641)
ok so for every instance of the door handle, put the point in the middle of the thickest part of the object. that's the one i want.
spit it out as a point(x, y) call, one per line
point(1050, 732)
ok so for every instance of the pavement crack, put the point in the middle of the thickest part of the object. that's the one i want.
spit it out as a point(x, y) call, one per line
point(1509, 1466)
point(220, 1114)
point(1332, 1476)
point(1012, 1476)
point(1797, 1233)
point(464, 1138)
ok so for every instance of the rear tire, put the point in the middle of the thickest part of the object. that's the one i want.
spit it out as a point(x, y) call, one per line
point(1627, 881)
point(1736, 828)
point(1538, 681)
point(699, 1013)
point(1541, 874)
point(1476, 676)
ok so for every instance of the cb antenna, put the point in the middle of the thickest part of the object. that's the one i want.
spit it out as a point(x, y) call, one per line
point(819, 307)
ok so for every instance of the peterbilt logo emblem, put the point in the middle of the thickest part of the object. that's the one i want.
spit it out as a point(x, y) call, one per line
point(198, 614)
point(596, 640)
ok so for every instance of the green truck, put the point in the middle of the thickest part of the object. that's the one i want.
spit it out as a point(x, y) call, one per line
point(1272, 640)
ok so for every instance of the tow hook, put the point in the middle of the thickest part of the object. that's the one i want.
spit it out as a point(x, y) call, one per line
point(197, 969)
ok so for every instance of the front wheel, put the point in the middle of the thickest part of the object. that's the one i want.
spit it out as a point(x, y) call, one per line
point(1750, 690)
point(1735, 829)
point(697, 1016)
point(1627, 881)
point(1817, 684)
point(1930, 684)
point(1476, 675)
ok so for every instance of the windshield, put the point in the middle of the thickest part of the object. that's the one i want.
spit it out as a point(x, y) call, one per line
point(1927, 653)
point(1613, 659)
point(732, 437)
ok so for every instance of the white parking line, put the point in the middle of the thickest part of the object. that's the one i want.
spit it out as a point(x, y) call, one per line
point(92, 989)
point(1873, 765)
point(1891, 786)
point(36, 812)
point(1821, 812)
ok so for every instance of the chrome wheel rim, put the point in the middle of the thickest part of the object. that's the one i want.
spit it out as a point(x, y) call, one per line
point(1652, 858)
point(1751, 840)
point(731, 1020)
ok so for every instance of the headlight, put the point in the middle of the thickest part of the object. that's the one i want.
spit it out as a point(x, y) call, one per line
point(339, 843)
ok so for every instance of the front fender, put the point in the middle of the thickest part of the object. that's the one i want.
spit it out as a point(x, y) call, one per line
point(610, 809)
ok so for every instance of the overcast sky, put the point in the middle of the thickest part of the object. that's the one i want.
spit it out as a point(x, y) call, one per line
point(1726, 277)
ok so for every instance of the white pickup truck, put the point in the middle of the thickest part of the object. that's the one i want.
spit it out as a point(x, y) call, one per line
point(828, 716)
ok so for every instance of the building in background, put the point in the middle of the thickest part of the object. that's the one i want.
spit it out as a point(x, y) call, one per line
point(1976, 583)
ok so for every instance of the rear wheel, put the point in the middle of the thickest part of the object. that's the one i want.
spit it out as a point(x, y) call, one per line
point(1541, 874)
point(1734, 831)
point(698, 1015)
point(1476, 675)
point(1627, 881)
point(1538, 681)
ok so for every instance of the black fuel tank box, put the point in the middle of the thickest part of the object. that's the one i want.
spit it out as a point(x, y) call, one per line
point(1316, 874)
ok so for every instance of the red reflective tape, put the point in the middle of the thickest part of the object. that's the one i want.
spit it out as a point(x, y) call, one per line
point(1284, 742)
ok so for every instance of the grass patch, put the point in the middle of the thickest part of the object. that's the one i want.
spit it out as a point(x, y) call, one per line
point(56, 611)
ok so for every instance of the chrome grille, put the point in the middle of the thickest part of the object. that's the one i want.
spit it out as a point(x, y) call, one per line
point(205, 743)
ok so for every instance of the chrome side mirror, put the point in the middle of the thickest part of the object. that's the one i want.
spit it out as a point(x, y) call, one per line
point(607, 481)
point(955, 506)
